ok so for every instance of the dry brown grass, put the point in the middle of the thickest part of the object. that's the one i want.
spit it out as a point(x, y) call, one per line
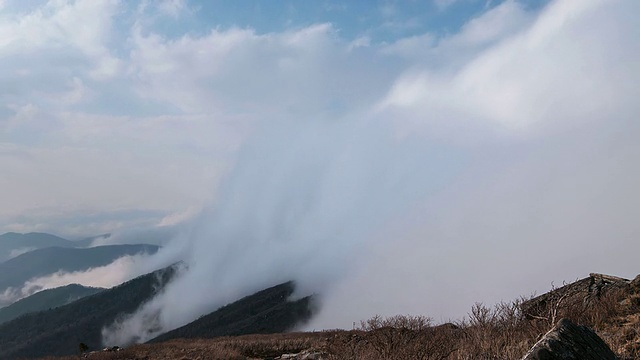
point(233, 348)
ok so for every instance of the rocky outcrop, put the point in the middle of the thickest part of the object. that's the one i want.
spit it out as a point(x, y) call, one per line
point(577, 294)
point(601, 283)
point(568, 341)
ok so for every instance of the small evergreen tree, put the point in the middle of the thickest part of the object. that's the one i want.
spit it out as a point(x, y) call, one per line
point(83, 348)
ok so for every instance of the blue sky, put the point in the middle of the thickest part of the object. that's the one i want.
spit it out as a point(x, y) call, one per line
point(360, 24)
point(314, 130)
point(382, 21)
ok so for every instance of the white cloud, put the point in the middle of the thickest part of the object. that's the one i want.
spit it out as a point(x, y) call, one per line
point(107, 276)
point(83, 25)
point(362, 41)
point(549, 182)
point(529, 79)
point(77, 92)
point(239, 71)
point(179, 217)
point(504, 20)
point(172, 7)
point(161, 115)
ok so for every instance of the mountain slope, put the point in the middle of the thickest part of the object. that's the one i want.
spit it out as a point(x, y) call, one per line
point(15, 272)
point(59, 331)
point(13, 243)
point(46, 299)
point(264, 312)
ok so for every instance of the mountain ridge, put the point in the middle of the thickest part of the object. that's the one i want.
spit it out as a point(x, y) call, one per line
point(247, 316)
point(46, 299)
point(12, 242)
point(46, 261)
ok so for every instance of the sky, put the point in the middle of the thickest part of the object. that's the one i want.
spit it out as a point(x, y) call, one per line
point(393, 156)
point(116, 114)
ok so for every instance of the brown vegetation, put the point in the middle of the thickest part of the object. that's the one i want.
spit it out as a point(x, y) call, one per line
point(504, 331)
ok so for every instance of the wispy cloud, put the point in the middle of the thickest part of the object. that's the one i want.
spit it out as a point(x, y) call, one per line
point(173, 7)
point(443, 4)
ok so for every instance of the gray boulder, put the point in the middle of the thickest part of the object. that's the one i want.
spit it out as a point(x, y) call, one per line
point(568, 341)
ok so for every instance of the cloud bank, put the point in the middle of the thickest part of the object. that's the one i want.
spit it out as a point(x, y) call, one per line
point(476, 180)
point(120, 270)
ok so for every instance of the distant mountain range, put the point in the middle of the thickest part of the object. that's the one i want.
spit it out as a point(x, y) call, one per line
point(13, 244)
point(42, 262)
point(59, 331)
point(46, 299)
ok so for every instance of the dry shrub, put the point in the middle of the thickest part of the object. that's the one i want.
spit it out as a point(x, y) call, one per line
point(398, 337)
point(617, 317)
point(486, 333)
point(271, 346)
point(500, 332)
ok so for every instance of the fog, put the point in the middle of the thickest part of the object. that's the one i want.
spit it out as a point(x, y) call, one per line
point(17, 252)
point(120, 270)
point(482, 181)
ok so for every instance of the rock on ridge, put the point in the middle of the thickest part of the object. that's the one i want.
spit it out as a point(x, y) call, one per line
point(568, 341)
point(577, 294)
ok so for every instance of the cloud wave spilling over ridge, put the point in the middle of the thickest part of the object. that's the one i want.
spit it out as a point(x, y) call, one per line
point(438, 193)
point(417, 175)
